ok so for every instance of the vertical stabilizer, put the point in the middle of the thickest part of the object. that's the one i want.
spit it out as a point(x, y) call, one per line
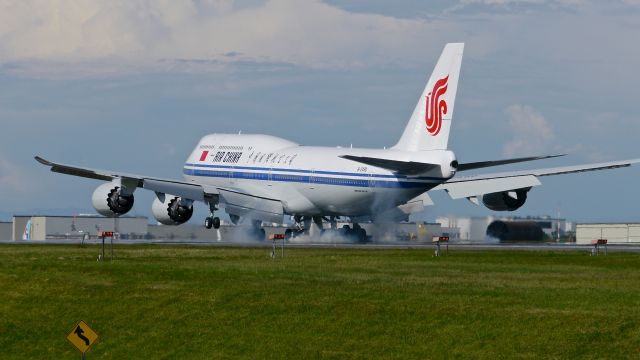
point(429, 125)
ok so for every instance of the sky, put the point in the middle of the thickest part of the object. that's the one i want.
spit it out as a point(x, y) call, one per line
point(132, 85)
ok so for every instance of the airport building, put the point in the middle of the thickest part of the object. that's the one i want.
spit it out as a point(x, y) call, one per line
point(469, 229)
point(614, 233)
point(532, 228)
point(38, 227)
point(458, 229)
point(86, 227)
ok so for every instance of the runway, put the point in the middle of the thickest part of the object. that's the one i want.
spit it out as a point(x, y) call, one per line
point(339, 245)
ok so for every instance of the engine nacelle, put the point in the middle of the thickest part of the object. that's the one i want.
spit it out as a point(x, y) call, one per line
point(108, 200)
point(171, 210)
point(505, 201)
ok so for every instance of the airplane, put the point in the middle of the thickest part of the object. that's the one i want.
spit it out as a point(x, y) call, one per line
point(258, 178)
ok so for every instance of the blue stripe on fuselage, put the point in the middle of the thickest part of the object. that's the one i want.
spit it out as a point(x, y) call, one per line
point(313, 172)
point(310, 178)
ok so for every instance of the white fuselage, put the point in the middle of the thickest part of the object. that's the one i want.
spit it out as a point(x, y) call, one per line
point(310, 180)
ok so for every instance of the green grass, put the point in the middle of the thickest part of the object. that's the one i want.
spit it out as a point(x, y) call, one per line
point(210, 302)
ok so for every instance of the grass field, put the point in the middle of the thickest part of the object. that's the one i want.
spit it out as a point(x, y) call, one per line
point(208, 302)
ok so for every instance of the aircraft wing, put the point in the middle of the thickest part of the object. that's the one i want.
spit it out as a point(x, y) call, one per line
point(240, 201)
point(470, 186)
point(484, 164)
point(167, 186)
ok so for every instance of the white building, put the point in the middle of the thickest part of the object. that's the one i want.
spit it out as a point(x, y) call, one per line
point(614, 233)
point(474, 229)
point(470, 229)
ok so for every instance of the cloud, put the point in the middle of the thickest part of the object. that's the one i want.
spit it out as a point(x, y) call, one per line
point(517, 3)
point(134, 33)
point(532, 134)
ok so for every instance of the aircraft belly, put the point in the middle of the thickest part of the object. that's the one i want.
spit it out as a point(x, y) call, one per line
point(304, 198)
point(347, 201)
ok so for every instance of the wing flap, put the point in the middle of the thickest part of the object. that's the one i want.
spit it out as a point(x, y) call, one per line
point(185, 190)
point(247, 205)
point(416, 204)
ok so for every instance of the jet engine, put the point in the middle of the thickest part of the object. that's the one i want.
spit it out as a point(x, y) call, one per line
point(108, 200)
point(506, 200)
point(171, 210)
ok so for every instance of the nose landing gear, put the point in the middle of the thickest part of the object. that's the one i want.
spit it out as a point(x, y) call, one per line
point(211, 221)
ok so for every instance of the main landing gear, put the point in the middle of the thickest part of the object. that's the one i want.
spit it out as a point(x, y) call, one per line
point(357, 233)
point(303, 225)
point(212, 221)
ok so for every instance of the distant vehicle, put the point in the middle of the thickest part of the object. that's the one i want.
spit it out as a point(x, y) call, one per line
point(261, 178)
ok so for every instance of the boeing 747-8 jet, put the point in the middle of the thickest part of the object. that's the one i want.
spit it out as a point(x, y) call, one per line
point(258, 178)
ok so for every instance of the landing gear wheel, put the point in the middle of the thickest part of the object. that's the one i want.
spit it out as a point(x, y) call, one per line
point(345, 230)
point(362, 235)
point(211, 221)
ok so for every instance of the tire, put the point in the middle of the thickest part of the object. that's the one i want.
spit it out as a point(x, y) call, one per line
point(345, 230)
point(208, 222)
point(362, 235)
point(216, 222)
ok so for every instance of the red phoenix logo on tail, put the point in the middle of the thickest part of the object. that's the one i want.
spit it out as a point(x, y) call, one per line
point(435, 107)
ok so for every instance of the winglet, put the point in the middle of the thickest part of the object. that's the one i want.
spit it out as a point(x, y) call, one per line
point(43, 161)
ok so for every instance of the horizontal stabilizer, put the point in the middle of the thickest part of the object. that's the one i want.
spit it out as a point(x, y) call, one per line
point(484, 164)
point(401, 167)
